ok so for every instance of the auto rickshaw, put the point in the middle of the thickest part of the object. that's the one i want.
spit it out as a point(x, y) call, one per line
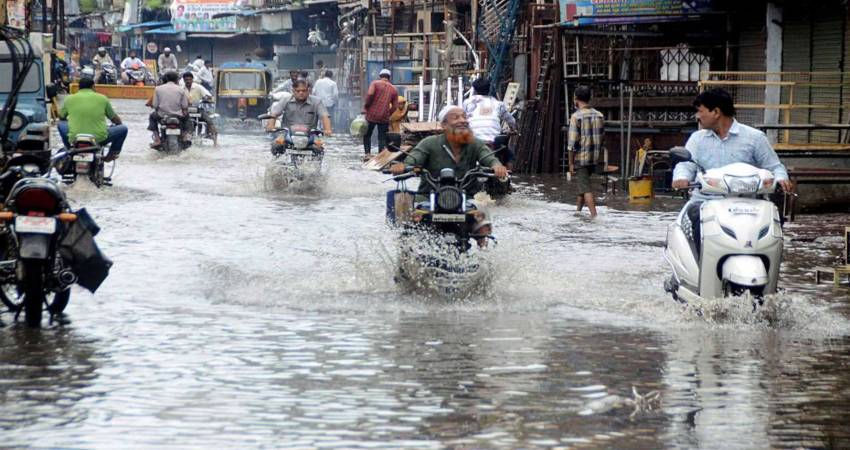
point(242, 89)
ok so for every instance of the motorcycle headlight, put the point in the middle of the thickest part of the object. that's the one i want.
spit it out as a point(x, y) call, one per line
point(18, 122)
point(742, 185)
point(300, 142)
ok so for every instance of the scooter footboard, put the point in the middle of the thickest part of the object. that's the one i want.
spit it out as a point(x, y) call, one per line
point(745, 270)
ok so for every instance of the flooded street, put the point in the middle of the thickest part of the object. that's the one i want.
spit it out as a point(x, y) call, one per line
point(240, 318)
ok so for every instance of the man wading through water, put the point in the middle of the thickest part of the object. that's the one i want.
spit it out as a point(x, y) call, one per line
point(381, 101)
point(584, 145)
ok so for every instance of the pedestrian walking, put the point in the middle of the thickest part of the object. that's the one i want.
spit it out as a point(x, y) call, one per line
point(584, 145)
point(380, 102)
point(327, 91)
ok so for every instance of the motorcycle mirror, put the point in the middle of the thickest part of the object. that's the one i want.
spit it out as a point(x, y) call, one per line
point(681, 153)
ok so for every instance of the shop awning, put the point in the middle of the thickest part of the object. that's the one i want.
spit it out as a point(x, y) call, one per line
point(211, 35)
point(166, 30)
point(154, 24)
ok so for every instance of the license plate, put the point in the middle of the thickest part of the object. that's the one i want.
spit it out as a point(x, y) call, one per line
point(83, 167)
point(172, 131)
point(743, 210)
point(448, 218)
point(31, 224)
point(84, 157)
point(194, 115)
point(252, 101)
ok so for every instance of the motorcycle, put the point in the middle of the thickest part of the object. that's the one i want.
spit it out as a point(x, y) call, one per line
point(107, 74)
point(170, 131)
point(447, 222)
point(199, 126)
point(87, 160)
point(739, 250)
point(495, 187)
point(140, 76)
point(298, 156)
point(46, 248)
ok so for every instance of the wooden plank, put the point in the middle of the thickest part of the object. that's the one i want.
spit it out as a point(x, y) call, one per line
point(421, 127)
point(803, 126)
point(811, 147)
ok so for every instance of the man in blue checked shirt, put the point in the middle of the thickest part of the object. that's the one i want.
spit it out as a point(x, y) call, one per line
point(722, 140)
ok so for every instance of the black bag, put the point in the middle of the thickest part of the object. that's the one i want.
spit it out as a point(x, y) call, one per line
point(80, 252)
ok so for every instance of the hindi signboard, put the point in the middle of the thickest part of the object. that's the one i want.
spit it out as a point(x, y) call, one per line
point(606, 12)
point(197, 15)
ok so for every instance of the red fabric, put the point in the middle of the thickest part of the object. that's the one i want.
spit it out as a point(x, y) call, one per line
point(380, 105)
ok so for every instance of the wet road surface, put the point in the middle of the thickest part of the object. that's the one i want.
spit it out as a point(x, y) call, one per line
point(240, 318)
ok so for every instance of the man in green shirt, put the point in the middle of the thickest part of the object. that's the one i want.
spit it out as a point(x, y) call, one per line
point(456, 149)
point(85, 113)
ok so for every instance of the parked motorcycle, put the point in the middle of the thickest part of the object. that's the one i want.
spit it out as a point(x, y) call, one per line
point(438, 234)
point(87, 161)
point(298, 156)
point(170, 132)
point(45, 246)
point(738, 252)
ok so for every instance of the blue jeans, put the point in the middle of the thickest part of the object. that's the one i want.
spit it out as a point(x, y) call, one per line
point(117, 135)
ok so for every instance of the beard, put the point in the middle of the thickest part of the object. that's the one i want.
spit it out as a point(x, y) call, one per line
point(459, 135)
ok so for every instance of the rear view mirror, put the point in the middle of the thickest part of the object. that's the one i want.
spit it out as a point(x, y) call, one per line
point(681, 153)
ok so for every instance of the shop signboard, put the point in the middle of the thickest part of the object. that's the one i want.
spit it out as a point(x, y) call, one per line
point(607, 12)
point(197, 15)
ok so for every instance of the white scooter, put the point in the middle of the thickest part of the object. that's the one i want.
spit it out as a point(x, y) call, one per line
point(740, 247)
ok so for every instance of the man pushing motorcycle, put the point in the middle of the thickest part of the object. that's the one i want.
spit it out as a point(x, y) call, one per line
point(722, 140)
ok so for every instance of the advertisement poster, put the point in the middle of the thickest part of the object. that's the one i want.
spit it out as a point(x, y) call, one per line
point(196, 15)
point(605, 12)
point(16, 14)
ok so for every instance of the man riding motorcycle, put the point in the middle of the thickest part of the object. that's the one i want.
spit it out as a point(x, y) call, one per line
point(457, 148)
point(130, 63)
point(100, 59)
point(169, 99)
point(205, 76)
point(302, 109)
point(166, 62)
point(486, 115)
point(722, 140)
point(85, 113)
point(198, 94)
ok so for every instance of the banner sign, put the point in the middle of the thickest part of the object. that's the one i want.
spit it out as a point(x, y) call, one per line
point(16, 14)
point(196, 15)
point(606, 12)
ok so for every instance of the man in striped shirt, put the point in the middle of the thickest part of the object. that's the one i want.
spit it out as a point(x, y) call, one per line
point(584, 145)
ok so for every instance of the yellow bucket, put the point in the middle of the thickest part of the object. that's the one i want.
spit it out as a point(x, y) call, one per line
point(640, 188)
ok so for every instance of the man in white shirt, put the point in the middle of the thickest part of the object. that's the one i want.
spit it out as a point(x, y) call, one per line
point(130, 63)
point(205, 75)
point(486, 115)
point(327, 91)
point(198, 94)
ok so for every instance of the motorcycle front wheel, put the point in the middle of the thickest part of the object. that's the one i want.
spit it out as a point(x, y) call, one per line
point(30, 299)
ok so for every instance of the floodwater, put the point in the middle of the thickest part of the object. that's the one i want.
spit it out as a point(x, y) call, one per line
point(240, 318)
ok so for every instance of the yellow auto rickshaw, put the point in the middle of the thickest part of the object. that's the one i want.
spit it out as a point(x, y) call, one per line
point(242, 89)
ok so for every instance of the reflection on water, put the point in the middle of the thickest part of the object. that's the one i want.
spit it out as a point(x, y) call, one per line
point(239, 318)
